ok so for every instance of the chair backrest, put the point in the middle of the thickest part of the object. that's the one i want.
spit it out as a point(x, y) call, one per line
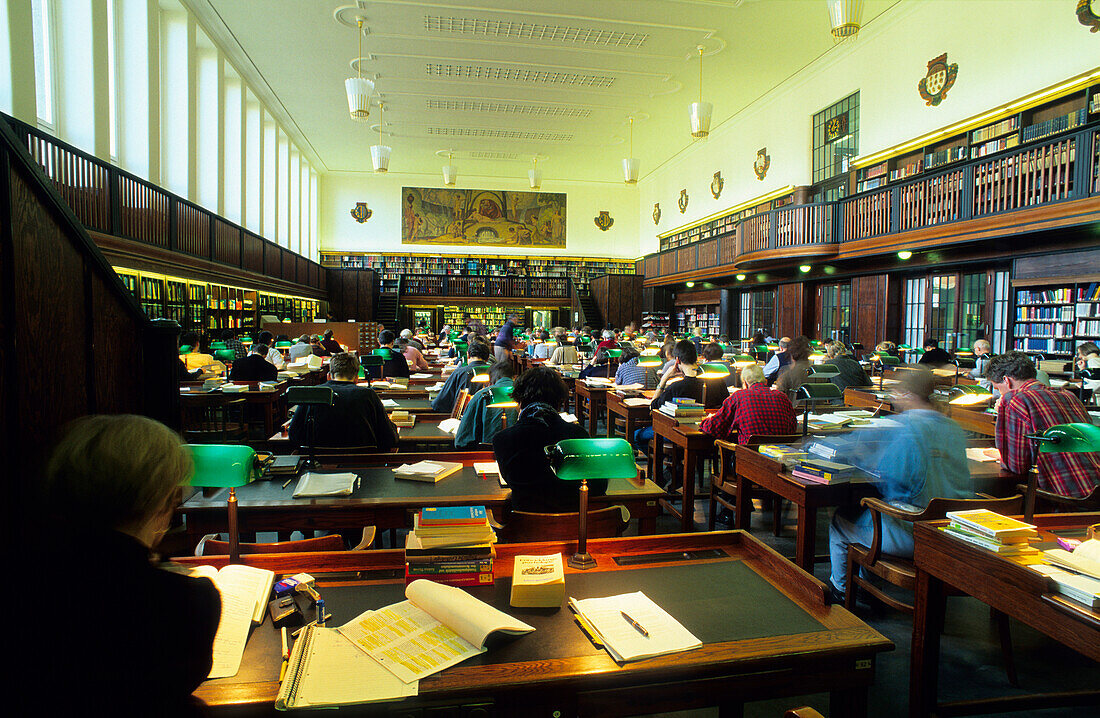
point(938, 508)
point(524, 526)
point(213, 547)
point(461, 401)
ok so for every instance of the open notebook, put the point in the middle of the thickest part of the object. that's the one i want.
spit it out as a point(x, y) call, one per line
point(622, 639)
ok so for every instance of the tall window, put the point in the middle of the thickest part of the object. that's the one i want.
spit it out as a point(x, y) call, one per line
point(913, 333)
point(836, 142)
point(43, 61)
point(836, 311)
point(957, 309)
point(757, 312)
point(112, 82)
point(999, 338)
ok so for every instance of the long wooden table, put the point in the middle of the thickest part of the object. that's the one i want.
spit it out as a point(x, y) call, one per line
point(765, 627)
point(634, 417)
point(597, 400)
point(1007, 585)
point(384, 501)
point(693, 446)
point(271, 403)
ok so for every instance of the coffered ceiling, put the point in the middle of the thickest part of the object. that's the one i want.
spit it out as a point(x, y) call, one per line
point(500, 82)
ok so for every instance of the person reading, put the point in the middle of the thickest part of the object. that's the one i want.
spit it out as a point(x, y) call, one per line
point(459, 379)
point(934, 356)
point(356, 417)
point(677, 381)
point(413, 357)
point(480, 423)
point(600, 366)
point(330, 344)
point(254, 367)
point(795, 374)
point(778, 361)
point(712, 354)
point(564, 352)
point(922, 458)
point(273, 355)
point(520, 449)
point(393, 364)
point(113, 627)
point(851, 372)
point(754, 410)
point(1028, 407)
point(301, 348)
point(194, 358)
point(232, 342)
point(629, 372)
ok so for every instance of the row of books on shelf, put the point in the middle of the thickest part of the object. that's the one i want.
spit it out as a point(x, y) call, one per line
point(988, 148)
point(1062, 295)
point(1006, 125)
point(942, 157)
point(1091, 293)
point(1057, 330)
point(1062, 313)
point(1053, 126)
point(1090, 328)
point(908, 170)
point(1044, 346)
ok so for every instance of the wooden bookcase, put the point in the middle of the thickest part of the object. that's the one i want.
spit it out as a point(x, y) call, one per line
point(726, 225)
point(703, 316)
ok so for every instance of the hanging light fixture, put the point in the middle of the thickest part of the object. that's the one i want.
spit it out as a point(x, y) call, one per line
point(359, 87)
point(630, 164)
point(535, 174)
point(700, 111)
point(845, 16)
point(450, 174)
point(380, 153)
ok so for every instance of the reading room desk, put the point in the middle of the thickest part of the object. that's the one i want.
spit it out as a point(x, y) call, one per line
point(270, 402)
point(424, 434)
point(694, 446)
point(765, 628)
point(974, 419)
point(634, 417)
point(597, 400)
point(1007, 585)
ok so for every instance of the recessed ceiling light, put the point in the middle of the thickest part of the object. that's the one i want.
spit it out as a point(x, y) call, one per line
point(740, 277)
point(904, 254)
point(805, 268)
point(689, 285)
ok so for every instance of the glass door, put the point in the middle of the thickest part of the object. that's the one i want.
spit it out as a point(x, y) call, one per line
point(836, 311)
point(941, 308)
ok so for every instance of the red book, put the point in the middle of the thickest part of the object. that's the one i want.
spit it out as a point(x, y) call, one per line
point(455, 579)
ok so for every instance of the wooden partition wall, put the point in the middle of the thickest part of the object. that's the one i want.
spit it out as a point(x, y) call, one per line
point(73, 341)
point(793, 310)
point(352, 294)
point(619, 298)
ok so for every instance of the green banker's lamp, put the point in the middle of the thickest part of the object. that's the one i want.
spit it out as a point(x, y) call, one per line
point(968, 395)
point(501, 398)
point(827, 371)
point(225, 355)
point(715, 370)
point(883, 361)
point(648, 362)
point(741, 361)
point(480, 376)
point(1076, 438)
point(283, 345)
point(224, 466)
point(372, 366)
point(461, 348)
point(217, 345)
point(814, 393)
point(583, 459)
point(185, 349)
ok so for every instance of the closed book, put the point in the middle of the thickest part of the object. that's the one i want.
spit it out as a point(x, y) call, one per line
point(827, 479)
point(820, 467)
point(991, 524)
point(446, 555)
point(452, 516)
point(988, 544)
point(538, 581)
point(449, 567)
point(414, 544)
point(454, 579)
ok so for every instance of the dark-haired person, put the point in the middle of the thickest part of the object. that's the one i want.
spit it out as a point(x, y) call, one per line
point(460, 378)
point(629, 372)
point(240, 351)
point(677, 381)
point(795, 375)
point(316, 348)
point(521, 448)
point(1088, 357)
point(479, 422)
point(393, 365)
point(502, 345)
point(712, 354)
point(934, 356)
point(194, 358)
point(1028, 407)
point(254, 367)
point(114, 482)
point(600, 366)
point(564, 352)
point(273, 355)
point(356, 417)
point(330, 344)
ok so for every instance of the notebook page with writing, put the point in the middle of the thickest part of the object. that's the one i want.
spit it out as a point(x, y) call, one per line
point(249, 581)
point(229, 641)
point(623, 641)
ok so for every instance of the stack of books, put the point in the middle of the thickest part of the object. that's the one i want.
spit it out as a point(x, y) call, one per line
point(451, 545)
point(823, 472)
point(682, 408)
point(989, 530)
point(401, 417)
point(784, 453)
point(1075, 574)
point(283, 466)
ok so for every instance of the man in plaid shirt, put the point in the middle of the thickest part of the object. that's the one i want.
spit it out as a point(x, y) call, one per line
point(1028, 407)
point(240, 351)
point(754, 410)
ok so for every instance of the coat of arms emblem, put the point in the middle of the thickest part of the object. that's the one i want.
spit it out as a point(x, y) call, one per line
point(1087, 16)
point(603, 220)
point(762, 163)
point(361, 212)
point(682, 203)
point(717, 184)
point(933, 87)
point(656, 213)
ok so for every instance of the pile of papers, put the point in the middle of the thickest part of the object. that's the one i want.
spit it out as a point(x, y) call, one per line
point(311, 484)
point(429, 471)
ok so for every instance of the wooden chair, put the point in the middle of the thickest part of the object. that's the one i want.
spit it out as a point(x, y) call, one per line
point(212, 418)
point(1040, 501)
point(461, 401)
point(210, 546)
point(723, 485)
point(524, 526)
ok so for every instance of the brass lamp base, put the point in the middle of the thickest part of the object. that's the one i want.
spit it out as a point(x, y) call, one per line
point(582, 561)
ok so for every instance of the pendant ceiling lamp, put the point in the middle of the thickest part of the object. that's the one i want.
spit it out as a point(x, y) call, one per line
point(450, 174)
point(380, 153)
point(359, 87)
point(630, 164)
point(845, 17)
point(535, 175)
point(700, 111)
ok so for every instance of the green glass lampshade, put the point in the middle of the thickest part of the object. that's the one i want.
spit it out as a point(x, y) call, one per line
point(825, 370)
point(502, 397)
point(480, 374)
point(714, 371)
point(650, 361)
point(309, 396)
point(820, 391)
point(579, 459)
point(966, 395)
point(815, 343)
point(742, 360)
point(905, 347)
point(887, 360)
point(384, 352)
point(1074, 438)
point(371, 360)
point(773, 347)
point(217, 345)
point(246, 341)
point(760, 348)
point(965, 362)
point(222, 465)
point(815, 357)
point(283, 345)
point(185, 349)
point(224, 355)
point(614, 353)
point(461, 345)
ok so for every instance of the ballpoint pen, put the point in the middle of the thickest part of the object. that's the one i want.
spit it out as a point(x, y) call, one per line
point(637, 626)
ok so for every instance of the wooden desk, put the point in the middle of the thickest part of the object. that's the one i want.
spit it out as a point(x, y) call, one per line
point(1006, 585)
point(809, 496)
point(424, 433)
point(634, 417)
point(597, 399)
point(270, 402)
point(695, 446)
point(865, 399)
point(766, 630)
point(413, 406)
point(383, 501)
point(976, 420)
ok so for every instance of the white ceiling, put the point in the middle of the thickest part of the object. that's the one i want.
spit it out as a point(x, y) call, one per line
point(499, 82)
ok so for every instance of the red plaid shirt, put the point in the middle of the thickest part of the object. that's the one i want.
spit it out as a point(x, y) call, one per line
point(753, 411)
point(1032, 409)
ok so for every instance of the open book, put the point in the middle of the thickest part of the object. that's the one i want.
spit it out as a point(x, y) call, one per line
point(245, 591)
point(311, 484)
point(653, 632)
point(1083, 559)
point(437, 627)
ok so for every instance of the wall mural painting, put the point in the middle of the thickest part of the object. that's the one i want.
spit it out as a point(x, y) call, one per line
point(482, 218)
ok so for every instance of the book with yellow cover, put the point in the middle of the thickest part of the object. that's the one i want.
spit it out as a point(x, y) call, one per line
point(989, 523)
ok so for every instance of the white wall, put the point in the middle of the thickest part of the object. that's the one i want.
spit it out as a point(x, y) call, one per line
point(339, 231)
point(1004, 48)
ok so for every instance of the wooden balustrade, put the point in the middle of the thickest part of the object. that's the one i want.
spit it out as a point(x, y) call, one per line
point(80, 181)
point(192, 230)
point(867, 215)
point(143, 211)
point(476, 286)
point(752, 233)
point(930, 201)
point(1025, 178)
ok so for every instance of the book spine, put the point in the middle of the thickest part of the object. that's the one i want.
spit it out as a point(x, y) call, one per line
point(455, 579)
point(811, 477)
point(464, 567)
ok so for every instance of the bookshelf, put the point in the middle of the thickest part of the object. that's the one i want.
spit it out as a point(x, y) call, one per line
point(1045, 320)
point(655, 321)
point(152, 296)
point(492, 316)
point(1087, 313)
point(703, 316)
point(723, 226)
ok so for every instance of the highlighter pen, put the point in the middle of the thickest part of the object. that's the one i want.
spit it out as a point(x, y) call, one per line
point(286, 648)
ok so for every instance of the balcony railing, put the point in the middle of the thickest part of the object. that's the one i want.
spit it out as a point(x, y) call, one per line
point(451, 285)
point(113, 202)
point(1064, 168)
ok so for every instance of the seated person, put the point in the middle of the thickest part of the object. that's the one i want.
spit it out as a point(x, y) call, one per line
point(678, 381)
point(301, 348)
point(564, 352)
point(600, 366)
point(934, 356)
point(273, 355)
point(521, 448)
point(778, 361)
point(1088, 357)
point(413, 357)
point(444, 337)
point(330, 344)
point(416, 343)
point(254, 367)
point(194, 359)
point(232, 342)
point(629, 372)
point(111, 487)
point(851, 372)
point(356, 417)
point(754, 410)
point(608, 340)
point(888, 348)
point(922, 459)
point(480, 423)
point(697, 339)
point(459, 379)
point(393, 365)
point(317, 349)
point(795, 374)
point(983, 354)
point(1028, 407)
point(712, 354)
point(543, 349)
